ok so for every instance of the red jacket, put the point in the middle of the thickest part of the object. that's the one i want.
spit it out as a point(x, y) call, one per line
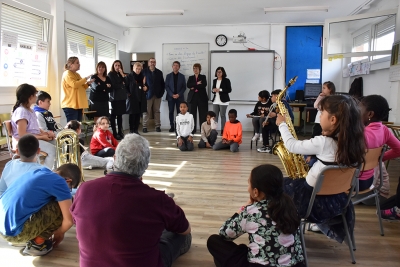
point(102, 139)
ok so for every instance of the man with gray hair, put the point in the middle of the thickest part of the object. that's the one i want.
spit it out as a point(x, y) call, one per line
point(120, 221)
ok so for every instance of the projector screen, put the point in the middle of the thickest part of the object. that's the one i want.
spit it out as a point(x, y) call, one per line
point(249, 72)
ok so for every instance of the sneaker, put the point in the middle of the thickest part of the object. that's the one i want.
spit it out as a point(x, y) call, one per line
point(171, 130)
point(260, 139)
point(158, 129)
point(255, 137)
point(171, 195)
point(264, 149)
point(144, 130)
point(14, 244)
point(121, 135)
point(390, 214)
point(34, 249)
point(314, 227)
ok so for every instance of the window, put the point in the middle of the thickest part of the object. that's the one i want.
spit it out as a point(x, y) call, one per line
point(360, 44)
point(82, 46)
point(106, 52)
point(24, 47)
point(384, 35)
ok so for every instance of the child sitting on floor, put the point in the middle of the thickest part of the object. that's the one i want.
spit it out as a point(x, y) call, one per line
point(103, 143)
point(27, 150)
point(184, 127)
point(209, 131)
point(232, 136)
point(270, 219)
point(35, 208)
point(87, 159)
point(258, 115)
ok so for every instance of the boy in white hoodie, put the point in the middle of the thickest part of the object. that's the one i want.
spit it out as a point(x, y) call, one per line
point(184, 128)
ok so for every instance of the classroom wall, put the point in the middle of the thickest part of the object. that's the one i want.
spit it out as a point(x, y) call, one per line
point(267, 36)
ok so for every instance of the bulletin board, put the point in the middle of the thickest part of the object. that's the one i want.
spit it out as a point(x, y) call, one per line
point(303, 56)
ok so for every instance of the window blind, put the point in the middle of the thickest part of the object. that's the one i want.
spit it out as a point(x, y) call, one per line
point(28, 26)
point(106, 49)
point(77, 43)
point(361, 39)
point(385, 27)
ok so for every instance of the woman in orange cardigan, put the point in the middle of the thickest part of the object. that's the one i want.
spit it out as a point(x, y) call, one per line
point(73, 93)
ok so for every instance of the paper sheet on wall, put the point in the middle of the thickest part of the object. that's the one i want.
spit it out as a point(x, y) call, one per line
point(10, 39)
point(313, 73)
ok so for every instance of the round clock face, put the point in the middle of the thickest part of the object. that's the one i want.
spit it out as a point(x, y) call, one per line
point(221, 40)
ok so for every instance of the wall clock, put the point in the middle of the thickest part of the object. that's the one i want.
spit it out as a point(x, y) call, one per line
point(221, 40)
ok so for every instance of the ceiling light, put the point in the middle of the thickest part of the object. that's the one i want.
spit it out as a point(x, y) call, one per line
point(156, 13)
point(296, 9)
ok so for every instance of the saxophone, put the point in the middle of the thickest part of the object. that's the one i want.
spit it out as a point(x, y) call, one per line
point(294, 164)
point(67, 149)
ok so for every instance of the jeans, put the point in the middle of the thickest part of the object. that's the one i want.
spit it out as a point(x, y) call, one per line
point(106, 152)
point(171, 105)
point(234, 147)
point(172, 246)
point(153, 109)
point(186, 145)
point(257, 123)
point(73, 114)
point(210, 139)
point(217, 109)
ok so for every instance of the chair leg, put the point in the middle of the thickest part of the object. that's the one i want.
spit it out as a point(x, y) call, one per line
point(349, 239)
point(303, 243)
point(378, 210)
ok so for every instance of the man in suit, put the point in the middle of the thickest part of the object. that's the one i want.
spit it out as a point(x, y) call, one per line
point(175, 85)
point(155, 80)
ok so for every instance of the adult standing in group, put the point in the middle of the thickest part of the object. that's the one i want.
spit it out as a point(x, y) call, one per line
point(117, 97)
point(147, 227)
point(73, 93)
point(155, 80)
point(197, 97)
point(175, 85)
point(136, 103)
point(99, 90)
point(221, 89)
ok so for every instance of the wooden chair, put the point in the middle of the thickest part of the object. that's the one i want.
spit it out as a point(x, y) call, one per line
point(333, 180)
point(86, 123)
point(373, 158)
point(11, 150)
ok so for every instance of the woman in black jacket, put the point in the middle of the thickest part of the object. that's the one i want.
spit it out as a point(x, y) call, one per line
point(117, 97)
point(99, 89)
point(197, 97)
point(221, 89)
point(136, 103)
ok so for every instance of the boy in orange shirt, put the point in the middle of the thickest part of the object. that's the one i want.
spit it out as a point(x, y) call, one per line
point(232, 136)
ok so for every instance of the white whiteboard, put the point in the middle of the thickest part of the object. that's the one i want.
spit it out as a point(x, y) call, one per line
point(187, 55)
point(249, 72)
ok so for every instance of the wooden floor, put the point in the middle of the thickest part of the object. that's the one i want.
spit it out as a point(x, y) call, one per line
point(210, 186)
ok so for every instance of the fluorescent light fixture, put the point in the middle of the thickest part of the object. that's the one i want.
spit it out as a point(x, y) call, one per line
point(296, 9)
point(155, 13)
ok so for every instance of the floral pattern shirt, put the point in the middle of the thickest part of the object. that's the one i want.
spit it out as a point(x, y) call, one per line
point(268, 246)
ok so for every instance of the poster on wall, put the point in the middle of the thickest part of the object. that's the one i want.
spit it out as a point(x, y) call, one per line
point(23, 63)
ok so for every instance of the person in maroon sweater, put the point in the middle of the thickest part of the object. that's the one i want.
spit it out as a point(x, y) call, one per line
point(103, 143)
point(120, 221)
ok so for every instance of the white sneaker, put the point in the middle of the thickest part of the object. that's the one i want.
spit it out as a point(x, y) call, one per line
point(255, 137)
point(314, 228)
point(260, 139)
point(264, 149)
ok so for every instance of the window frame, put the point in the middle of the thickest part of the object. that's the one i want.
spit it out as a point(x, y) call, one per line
point(372, 35)
point(6, 90)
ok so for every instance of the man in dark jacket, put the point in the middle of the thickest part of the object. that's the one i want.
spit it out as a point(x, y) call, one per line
point(155, 80)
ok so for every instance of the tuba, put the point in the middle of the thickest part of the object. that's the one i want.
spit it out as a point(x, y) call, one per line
point(68, 149)
point(294, 164)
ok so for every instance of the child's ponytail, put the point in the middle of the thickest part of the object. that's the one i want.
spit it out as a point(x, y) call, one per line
point(281, 209)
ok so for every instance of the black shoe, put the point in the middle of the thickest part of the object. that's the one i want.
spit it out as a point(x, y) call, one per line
point(222, 132)
point(194, 131)
point(117, 136)
point(171, 130)
point(158, 129)
point(121, 134)
point(144, 130)
point(137, 133)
